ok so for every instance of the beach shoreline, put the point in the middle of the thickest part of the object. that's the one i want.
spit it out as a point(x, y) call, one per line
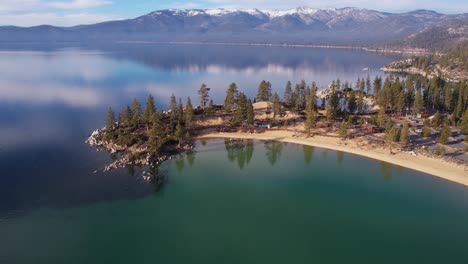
point(433, 166)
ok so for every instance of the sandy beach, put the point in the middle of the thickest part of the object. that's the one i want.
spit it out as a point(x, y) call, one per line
point(433, 166)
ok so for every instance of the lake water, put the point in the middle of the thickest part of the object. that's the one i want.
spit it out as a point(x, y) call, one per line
point(254, 202)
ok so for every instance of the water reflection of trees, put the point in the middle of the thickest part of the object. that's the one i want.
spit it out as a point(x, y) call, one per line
point(180, 164)
point(240, 150)
point(191, 158)
point(273, 151)
point(340, 156)
point(386, 170)
point(308, 153)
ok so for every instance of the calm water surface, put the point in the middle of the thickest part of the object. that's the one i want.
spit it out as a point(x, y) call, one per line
point(251, 202)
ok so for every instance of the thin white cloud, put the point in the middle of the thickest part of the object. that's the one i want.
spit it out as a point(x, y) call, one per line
point(50, 18)
point(78, 4)
point(17, 5)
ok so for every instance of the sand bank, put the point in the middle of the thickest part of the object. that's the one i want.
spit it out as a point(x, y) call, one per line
point(433, 166)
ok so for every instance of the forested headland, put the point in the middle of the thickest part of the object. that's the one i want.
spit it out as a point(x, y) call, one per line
point(398, 110)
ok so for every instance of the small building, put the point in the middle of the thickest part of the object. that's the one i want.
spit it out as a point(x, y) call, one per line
point(262, 124)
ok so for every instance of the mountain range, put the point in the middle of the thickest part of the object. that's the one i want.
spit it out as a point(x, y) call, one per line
point(302, 25)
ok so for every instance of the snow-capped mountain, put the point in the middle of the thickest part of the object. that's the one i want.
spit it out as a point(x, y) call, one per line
point(299, 25)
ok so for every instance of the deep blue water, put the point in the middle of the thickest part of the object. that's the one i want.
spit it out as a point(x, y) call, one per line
point(52, 97)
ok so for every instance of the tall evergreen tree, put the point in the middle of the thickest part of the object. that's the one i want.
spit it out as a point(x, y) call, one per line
point(264, 91)
point(204, 95)
point(418, 102)
point(276, 105)
point(464, 123)
point(445, 133)
point(381, 117)
point(333, 103)
point(231, 97)
point(188, 113)
point(368, 85)
point(404, 138)
point(437, 119)
point(179, 133)
point(136, 109)
point(401, 102)
point(150, 109)
point(180, 112)
point(156, 133)
point(377, 86)
point(126, 116)
point(240, 115)
point(250, 113)
point(110, 120)
point(287, 94)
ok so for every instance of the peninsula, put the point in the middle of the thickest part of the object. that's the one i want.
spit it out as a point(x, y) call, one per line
point(418, 123)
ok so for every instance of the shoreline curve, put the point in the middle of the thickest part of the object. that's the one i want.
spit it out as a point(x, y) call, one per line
point(432, 166)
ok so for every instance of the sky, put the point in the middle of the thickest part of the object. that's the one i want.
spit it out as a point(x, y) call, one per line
point(75, 12)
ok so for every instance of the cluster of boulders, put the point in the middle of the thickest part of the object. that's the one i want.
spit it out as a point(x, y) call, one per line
point(95, 140)
point(129, 154)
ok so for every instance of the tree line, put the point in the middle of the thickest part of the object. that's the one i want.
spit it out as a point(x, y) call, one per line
point(344, 101)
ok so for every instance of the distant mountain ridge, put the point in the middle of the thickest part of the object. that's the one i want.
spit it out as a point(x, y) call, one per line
point(437, 38)
point(302, 25)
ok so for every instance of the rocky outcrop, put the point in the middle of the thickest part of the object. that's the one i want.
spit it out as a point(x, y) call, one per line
point(130, 156)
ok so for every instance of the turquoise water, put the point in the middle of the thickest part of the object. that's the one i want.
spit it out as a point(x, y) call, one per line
point(257, 202)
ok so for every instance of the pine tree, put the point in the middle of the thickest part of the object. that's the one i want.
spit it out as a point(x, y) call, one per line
point(276, 105)
point(388, 125)
point(333, 102)
point(150, 109)
point(437, 120)
point(264, 91)
point(188, 113)
point(381, 117)
point(343, 131)
point(445, 133)
point(136, 109)
point(401, 102)
point(173, 108)
point(288, 94)
point(204, 95)
point(241, 112)
point(179, 133)
point(172, 113)
point(418, 102)
point(459, 107)
point(110, 121)
point(156, 133)
point(368, 85)
point(231, 97)
point(404, 138)
point(126, 116)
point(377, 87)
point(360, 99)
point(464, 123)
point(250, 113)
point(180, 112)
